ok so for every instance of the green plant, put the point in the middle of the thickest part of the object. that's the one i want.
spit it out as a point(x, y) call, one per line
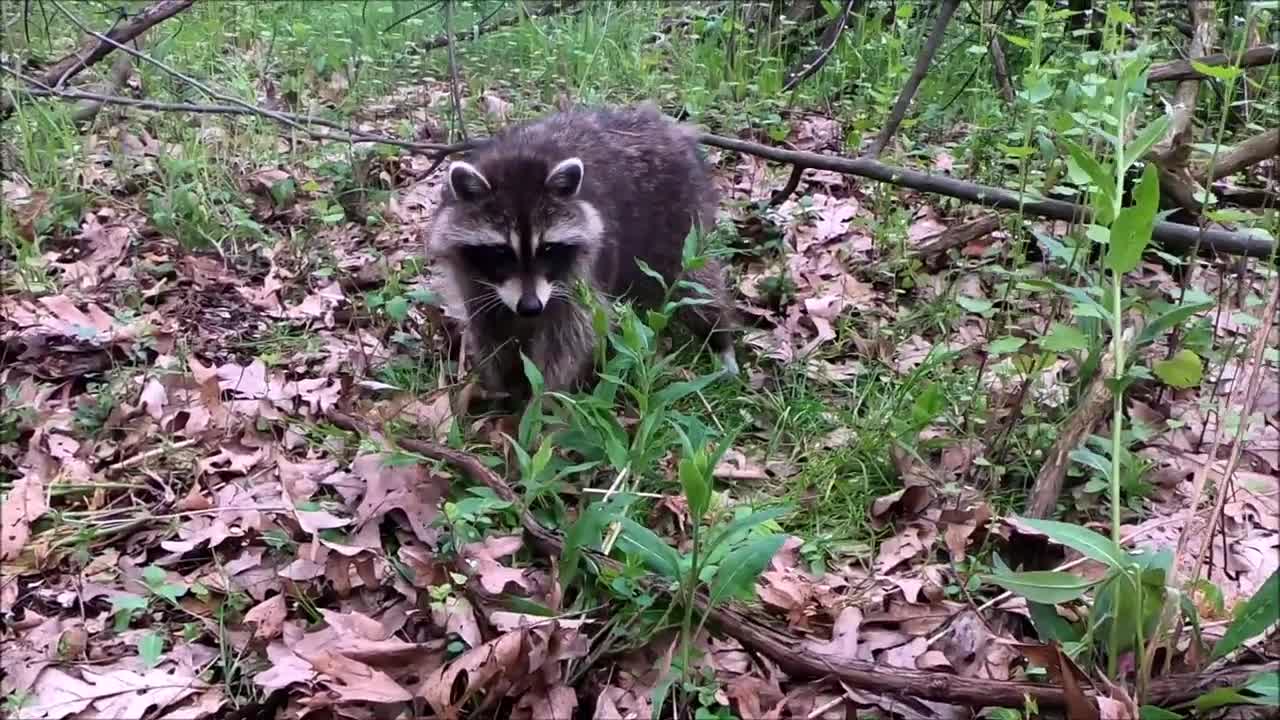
point(1133, 607)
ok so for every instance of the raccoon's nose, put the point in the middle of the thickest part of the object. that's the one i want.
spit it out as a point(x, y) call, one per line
point(529, 305)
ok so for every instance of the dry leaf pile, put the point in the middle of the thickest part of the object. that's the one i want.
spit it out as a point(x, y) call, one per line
point(183, 532)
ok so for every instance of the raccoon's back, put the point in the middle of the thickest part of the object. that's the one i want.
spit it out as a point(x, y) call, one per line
point(643, 175)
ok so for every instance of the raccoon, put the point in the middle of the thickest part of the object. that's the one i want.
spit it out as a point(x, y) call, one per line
point(578, 195)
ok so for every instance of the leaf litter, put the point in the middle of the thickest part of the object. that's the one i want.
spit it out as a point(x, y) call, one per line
point(333, 552)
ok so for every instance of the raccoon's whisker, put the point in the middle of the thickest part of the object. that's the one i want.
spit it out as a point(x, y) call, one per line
point(485, 303)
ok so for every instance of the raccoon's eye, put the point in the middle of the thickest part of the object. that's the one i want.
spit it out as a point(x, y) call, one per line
point(555, 251)
point(490, 256)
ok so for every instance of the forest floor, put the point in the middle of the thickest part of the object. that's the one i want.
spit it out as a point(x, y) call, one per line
point(194, 306)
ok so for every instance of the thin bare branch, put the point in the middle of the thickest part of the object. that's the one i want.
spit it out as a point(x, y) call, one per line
point(826, 45)
point(455, 91)
point(94, 50)
point(1248, 384)
point(485, 27)
point(923, 60)
point(346, 135)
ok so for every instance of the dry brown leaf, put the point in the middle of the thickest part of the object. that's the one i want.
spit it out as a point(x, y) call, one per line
point(269, 616)
point(407, 488)
point(493, 575)
point(554, 703)
point(844, 636)
point(22, 505)
point(501, 666)
point(353, 680)
point(110, 693)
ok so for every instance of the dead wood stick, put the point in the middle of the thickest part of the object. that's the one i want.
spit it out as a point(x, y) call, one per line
point(1248, 152)
point(1173, 235)
point(923, 60)
point(790, 653)
point(1203, 39)
point(1094, 404)
point(1182, 69)
point(1174, 150)
point(826, 45)
point(958, 235)
point(347, 135)
point(551, 8)
point(1000, 68)
point(455, 90)
point(94, 49)
point(793, 182)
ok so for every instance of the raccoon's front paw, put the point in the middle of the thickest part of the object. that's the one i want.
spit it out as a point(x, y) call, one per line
point(729, 362)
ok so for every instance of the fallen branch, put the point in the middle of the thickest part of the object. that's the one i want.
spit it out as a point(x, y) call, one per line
point(1249, 152)
point(296, 120)
point(93, 50)
point(1174, 150)
point(1094, 404)
point(793, 182)
point(790, 653)
point(1172, 235)
point(958, 235)
point(923, 60)
point(551, 8)
point(1000, 68)
point(826, 45)
point(1182, 69)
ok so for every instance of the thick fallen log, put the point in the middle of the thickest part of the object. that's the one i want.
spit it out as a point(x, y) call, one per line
point(1182, 69)
point(94, 49)
point(1173, 236)
point(790, 653)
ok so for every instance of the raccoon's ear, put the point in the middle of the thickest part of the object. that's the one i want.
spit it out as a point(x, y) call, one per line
point(467, 183)
point(565, 178)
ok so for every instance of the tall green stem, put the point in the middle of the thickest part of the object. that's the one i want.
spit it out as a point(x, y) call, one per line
point(1117, 326)
point(1117, 406)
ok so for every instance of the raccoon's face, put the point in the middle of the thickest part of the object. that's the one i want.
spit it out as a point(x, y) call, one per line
point(518, 232)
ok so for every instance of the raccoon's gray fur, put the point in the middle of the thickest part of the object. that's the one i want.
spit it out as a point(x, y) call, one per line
point(579, 194)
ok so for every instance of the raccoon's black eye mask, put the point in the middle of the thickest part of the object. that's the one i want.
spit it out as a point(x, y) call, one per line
point(492, 258)
point(557, 252)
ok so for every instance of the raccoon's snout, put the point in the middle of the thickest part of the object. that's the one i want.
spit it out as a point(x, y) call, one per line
point(529, 305)
point(525, 296)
